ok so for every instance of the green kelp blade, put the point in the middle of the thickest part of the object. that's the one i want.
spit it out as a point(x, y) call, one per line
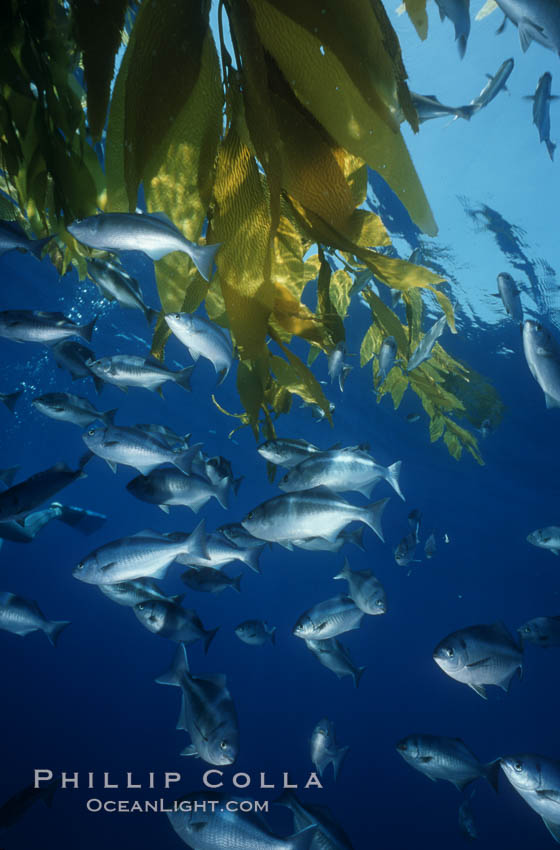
point(416, 11)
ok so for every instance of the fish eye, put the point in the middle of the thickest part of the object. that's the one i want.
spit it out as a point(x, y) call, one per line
point(141, 606)
point(449, 652)
point(223, 745)
point(250, 515)
point(91, 432)
point(80, 566)
point(518, 767)
point(380, 603)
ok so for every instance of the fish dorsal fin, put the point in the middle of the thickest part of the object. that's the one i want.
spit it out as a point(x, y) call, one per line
point(153, 361)
point(147, 532)
point(162, 217)
point(218, 679)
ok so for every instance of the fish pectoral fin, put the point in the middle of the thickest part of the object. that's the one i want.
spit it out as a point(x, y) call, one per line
point(164, 508)
point(549, 794)
point(553, 828)
point(112, 465)
point(426, 759)
point(461, 784)
point(480, 690)
point(550, 402)
point(106, 567)
point(190, 751)
point(479, 664)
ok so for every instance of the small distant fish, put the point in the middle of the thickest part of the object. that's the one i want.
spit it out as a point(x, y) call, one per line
point(74, 357)
point(404, 553)
point(449, 759)
point(546, 538)
point(329, 619)
point(130, 593)
point(424, 349)
point(479, 656)
point(542, 631)
point(338, 369)
point(40, 326)
point(310, 513)
point(16, 806)
point(536, 779)
point(494, 86)
point(413, 417)
point(152, 233)
point(317, 411)
point(255, 632)
point(131, 447)
point(71, 408)
point(335, 657)
point(428, 106)
point(387, 357)
point(208, 580)
point(20, 499)
point(21, 617)
point(166, 487)
point(458, 12)
point(485, 428)
point(207, 714)
point(130, 370)
point(203, 338)
point(541, 111)
point(542, 353)
point(364, 589)
point(509, 293)
point(414, 520)
point(286, 452)
point(220, 551)
point(14, 238)
point(167, 619)
point(446, 538)
point(9, 399)
point(430, 546)
point(116, 285)
point(324, 749)
point(467, 825)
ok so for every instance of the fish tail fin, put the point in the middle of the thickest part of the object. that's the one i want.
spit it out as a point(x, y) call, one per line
point(345, 371)
point(357, 538)
point(302, 840)
point(286, 798)
point(251, 558)
point(462, 45)
point(98, 383)
point(150, 314)
point(36, 246)
point(179, 665)
point(338, 759)
point(467, 111)
point(183, 378)
point(344, 571)
point(10, 400)
point(54, 629)
point(372, 514)
point(551, 147)
point(393, 473)
point(272, 634)
point(236, 484)
point(85, 458)
point(196, 544)
point(236, 584)
point(357, 675)
point(178, 598)
point(183, 459)
point(209, 637)
point(492, 772)
point(86, 330)
point(203, 258)
point(222, 492)
point(222, 375)
point(109, 417)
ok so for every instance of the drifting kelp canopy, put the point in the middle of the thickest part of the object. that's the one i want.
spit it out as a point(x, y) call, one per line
point(265, 151)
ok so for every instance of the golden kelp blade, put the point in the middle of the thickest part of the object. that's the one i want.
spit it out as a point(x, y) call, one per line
point(489, 7)
point(324, 86)
point(416, 10)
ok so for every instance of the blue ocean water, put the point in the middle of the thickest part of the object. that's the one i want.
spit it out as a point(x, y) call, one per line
point(91, 704)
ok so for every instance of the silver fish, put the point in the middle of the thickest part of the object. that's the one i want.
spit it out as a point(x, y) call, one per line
point(203, 338)
point(135, 448)
point(319, 544)
point(430, 546)
point(21, 617)
point(130, 593)
point(237, 535)
point(14, 238)
point(446, 758)
point(404, 553)
point(131, 370)
point(542, 353)
point(9, 399)
point(537, 780)
point(40, 326)
point(116, 285)
point(66, 407)
point(536, 20)
point(458, 12)
point(424, 348)
point(166, 487)
point(287, 452)
point(341, 470)
point(335, 657)
point(509, 293)
point(220, 551)
point(324, 749)
point(328, 619)
point(255, 632)
point(387, 356)
point(152, 233)
point(329, 834)
point(207, 713)
point(20, 499)
point(207, 580)
point(224, 827)
point(143, 555)
point(26, 528)
point(494, 86)
point(543, 631)
point(541, 111)
point(165, 618)
point(428, 106)
point(310, 513)
point(479, 656)
point(546, 538)
point(364, 589)
point(337, 368)
point(74, 357)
